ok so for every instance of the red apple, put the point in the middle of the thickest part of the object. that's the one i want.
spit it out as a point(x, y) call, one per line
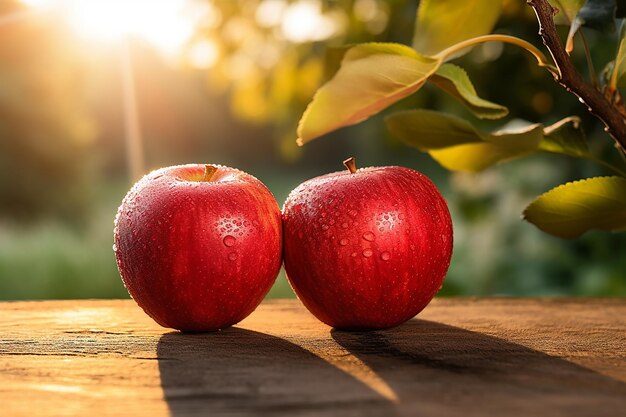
point(366, 249)
point(198, 247)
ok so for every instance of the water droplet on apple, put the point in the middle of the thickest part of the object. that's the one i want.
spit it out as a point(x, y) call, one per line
point(114, 247)
point(229, 241)
point(400, 216)
point(344, 242)
point(353, 213)
point(232, 256)
point(324, 227)
point(369, 236)
point(354, 254)
point(255, 223)
point(323, 214)
point(368, 252)
point(385, 256)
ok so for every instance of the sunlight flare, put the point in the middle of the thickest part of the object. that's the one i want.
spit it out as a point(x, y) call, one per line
point(165, 24)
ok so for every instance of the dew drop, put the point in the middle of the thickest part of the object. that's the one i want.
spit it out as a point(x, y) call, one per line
point(369, 236)
point(385, 256)
point(353, 213)
point(400, 216)
point(343, 242)
point(114, 247)
point(229, 241)
point(354, 254)
point(232, 256)
point(368, 252)
point(324, 227)
point(344, 225)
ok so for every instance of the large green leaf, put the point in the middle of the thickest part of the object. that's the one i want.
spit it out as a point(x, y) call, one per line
point(571, 209)
point(459, 146)
point(498, 147)
point(443, 23)
point(427, 130)
point(454, 80)
point(372, 77)
point(456, 144)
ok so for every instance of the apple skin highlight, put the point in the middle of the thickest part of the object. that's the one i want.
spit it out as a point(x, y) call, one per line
point(198, 247)
point(367, 249)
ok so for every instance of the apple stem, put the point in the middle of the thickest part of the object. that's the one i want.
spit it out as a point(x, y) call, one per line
point(209, 171)
point(350, 163)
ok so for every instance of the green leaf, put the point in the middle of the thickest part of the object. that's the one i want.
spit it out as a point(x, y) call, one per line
point(571, 209)
point(459, 146)
point(454, 80)
point(372, 77)
point(443, 23)
point(427, 130)
point(565, 137)
point(456, 144)
point(499, 147)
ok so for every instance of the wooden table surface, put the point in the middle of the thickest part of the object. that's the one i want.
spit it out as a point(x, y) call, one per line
point(527, 357)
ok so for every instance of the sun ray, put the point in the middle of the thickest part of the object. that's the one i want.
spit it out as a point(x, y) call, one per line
point(132, 125)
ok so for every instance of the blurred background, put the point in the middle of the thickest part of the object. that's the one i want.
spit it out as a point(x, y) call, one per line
point(95, 93)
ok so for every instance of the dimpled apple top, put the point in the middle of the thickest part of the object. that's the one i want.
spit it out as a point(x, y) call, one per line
point(368, 249)
point(198, 250)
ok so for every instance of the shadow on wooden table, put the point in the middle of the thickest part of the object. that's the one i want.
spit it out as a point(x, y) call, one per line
point(444, 370)
point(432, 368)
point(242, 372)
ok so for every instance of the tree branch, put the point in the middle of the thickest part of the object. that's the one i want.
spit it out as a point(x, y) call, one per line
point(572, 81)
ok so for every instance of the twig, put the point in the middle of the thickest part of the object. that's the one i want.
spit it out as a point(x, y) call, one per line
point(570, 78)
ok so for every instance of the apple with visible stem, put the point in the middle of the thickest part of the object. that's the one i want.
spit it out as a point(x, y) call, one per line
point(367, 248)
point(198, 246)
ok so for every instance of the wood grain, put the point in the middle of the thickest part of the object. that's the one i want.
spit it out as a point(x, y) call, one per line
point(460, 357)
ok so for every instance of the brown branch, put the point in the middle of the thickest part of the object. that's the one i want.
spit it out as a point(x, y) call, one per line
point(571, 79)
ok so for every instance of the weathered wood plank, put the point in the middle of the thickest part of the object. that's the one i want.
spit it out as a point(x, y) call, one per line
point(462, 356)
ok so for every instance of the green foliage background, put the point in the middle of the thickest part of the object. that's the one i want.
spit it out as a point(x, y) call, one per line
point(63, 168)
